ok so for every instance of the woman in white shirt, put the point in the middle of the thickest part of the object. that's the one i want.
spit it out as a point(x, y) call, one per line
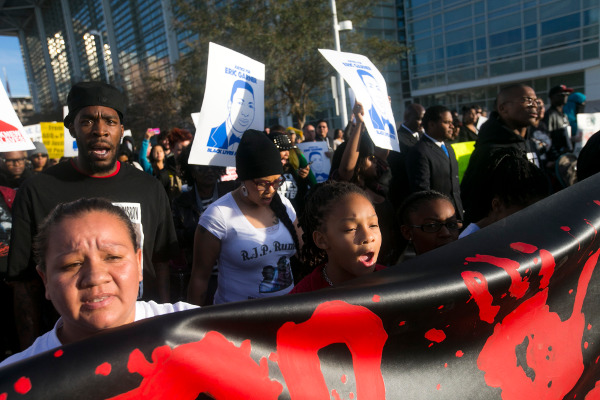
point(250, 233)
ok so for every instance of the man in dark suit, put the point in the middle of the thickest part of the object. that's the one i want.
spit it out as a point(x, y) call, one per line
point(431, 163)
point(408, 135)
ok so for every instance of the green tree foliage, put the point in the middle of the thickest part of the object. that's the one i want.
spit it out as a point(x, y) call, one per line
point(284, 35)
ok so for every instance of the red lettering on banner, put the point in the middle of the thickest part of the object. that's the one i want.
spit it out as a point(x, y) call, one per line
point(332, 322)
point(212, 365)
point(3, 396)
point(532, 344)
point(478, 287)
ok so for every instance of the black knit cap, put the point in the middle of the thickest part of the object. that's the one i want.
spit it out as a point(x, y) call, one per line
point(85, 94)
point(257, 156)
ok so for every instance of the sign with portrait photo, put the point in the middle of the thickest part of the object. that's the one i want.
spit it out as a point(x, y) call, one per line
point(370, 89)
point(233, 103)
point(314, 152)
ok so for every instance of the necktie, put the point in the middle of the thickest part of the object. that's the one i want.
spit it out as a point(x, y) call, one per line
point(445, 150)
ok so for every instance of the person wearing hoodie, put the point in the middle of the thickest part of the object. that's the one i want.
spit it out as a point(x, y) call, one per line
point(516, 110)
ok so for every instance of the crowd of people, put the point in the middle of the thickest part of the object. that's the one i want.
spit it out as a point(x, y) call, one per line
point(125, 232)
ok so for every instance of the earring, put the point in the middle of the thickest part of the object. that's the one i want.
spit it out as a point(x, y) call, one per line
point(244, 190)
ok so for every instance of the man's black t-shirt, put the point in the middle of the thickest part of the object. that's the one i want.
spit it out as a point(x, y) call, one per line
point(137, 192)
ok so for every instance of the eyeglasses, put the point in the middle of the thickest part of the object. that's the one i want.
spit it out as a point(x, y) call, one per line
point(436, 226)
point(527, 101)
point(13, 161)
point(265, 185)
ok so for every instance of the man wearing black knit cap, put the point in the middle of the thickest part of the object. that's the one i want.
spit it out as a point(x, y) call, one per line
point(95, 120)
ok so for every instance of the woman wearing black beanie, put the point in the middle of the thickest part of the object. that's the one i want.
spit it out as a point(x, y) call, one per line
point(249, 233)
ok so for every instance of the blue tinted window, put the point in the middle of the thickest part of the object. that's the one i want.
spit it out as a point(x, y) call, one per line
point(590, 17)
point(530, 32)
point(504, 38)
point(560, 24)
point(459, 49)
point(480, 43)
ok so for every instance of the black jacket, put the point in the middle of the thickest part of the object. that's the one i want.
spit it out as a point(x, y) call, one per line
point(493, 135)
point(429, 168)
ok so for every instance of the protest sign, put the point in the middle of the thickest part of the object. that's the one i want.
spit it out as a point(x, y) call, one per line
point(12, 134)
point(587, 125)
point(53, 136)
point(69, 143)
point(233, 103)
point(510, 312)
point(370, 89)
point(463, 151)
point(33, 132)
point(314, 152)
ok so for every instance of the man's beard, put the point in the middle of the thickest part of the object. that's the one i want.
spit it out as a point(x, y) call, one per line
point(92, 166)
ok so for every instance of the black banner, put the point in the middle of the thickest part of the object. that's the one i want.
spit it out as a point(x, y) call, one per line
point(509, 312)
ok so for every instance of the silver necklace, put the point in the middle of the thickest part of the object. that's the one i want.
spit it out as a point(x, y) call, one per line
point(325, 276)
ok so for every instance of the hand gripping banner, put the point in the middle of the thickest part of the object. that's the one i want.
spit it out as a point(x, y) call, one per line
point(510, 312)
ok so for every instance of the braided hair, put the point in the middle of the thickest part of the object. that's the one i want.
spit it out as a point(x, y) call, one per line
point(320, 201)
point(281, 213)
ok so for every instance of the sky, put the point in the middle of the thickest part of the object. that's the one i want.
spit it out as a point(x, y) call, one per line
point(12, 60)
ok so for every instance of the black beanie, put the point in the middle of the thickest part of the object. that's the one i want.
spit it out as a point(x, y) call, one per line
point(85, 94)
point(257, 156)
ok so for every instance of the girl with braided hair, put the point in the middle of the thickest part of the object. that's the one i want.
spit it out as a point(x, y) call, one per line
point(250, 233)
point(341, 237)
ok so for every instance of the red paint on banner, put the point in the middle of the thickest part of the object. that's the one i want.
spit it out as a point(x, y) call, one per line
point(571, 291)
point(568, 230)
point(440, 307)
point(332, 322)
point(3, 396)
point(22, 385)
point(478, 287)
point(547, 268)
point(585, 345)
point(532, 352)
point(445, 365)
point(459, 353)
point(597, 202)
point(594, 394)
point(523, 247)
point(402, 323)
point(593, 227)
point(273, 357)
point(335, 395)
point(58, 353)
point(103, 369)
point(438, 387)
point(344, 378)
point(435, 335)
point(376, 298)
point(518, 286)
point(351, 396)
point(212, 365)
point(589, 327)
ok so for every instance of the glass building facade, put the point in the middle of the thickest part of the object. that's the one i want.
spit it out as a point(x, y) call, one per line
point(462, 51)
point(119, 41)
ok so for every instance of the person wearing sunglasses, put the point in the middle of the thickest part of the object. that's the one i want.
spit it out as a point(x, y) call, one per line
point(250, 233)
point(38, 157)
point(13, 169)
point(428, 221)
